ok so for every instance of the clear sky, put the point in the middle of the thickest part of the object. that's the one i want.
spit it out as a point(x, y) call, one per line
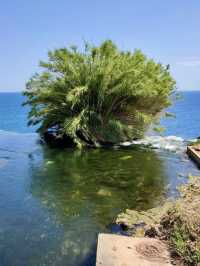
point(168, 31)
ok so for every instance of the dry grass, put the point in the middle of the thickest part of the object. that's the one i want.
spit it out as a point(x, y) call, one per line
point(178, 223)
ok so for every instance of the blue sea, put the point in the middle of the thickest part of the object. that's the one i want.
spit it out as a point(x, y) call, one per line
point(186, 123)
point(53, 202)
point(13, 117)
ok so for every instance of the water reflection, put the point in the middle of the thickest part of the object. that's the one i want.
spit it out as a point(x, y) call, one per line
point(99, 183)
point(84, 191)
point(53, 203)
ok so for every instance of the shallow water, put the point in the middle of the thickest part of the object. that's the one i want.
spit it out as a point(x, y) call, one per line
point(54, 203)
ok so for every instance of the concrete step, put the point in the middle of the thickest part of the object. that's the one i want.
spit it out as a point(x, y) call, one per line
point(116, 250)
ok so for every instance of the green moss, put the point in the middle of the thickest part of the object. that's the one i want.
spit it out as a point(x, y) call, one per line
point(177, 222)
point(141, 221)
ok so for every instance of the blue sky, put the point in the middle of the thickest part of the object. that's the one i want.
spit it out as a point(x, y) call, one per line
point(167, 31)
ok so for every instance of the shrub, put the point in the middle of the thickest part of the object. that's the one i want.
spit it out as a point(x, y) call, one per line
point(99, 95)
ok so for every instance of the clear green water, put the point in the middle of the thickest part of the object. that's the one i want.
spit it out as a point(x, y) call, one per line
point(54, 203)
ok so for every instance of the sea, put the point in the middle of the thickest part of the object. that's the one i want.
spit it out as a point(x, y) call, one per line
point(54, 203)
point(186, 124)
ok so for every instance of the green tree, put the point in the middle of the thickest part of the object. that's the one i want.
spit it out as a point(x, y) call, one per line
point(99, 95)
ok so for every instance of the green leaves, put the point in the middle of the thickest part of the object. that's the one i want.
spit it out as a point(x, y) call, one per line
point(76, 95)
point(101, 95)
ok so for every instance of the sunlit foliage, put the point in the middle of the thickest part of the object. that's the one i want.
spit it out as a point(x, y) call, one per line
point(98, 95)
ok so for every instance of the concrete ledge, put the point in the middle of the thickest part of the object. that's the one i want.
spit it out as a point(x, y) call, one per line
point(116, 250)
point(194, 154)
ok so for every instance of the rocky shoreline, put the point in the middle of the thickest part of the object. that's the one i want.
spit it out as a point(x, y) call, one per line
point(176, 223)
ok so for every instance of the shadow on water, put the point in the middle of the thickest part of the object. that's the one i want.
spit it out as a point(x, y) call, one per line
point(54, 203)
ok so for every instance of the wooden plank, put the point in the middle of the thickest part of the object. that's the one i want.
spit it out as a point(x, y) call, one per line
point(194, 154)
point(116, 250)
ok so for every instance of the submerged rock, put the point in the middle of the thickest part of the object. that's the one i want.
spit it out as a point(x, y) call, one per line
point(141, 221)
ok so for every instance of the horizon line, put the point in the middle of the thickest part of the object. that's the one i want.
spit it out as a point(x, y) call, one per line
point(20, 91)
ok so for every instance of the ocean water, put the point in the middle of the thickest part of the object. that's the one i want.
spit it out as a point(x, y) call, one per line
point(53, 203)
point(13, 117)
point(186, 123)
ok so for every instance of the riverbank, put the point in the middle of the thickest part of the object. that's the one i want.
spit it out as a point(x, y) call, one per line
point(176, 223)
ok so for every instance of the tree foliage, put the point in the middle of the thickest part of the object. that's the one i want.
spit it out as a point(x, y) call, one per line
point(99, 95)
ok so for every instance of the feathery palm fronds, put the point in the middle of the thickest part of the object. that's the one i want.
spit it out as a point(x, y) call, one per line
point(101, 95)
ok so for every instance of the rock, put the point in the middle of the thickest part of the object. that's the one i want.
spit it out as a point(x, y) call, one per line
point(133, 219)
point(177, 222)
point(152, 231)
point(104, 192)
